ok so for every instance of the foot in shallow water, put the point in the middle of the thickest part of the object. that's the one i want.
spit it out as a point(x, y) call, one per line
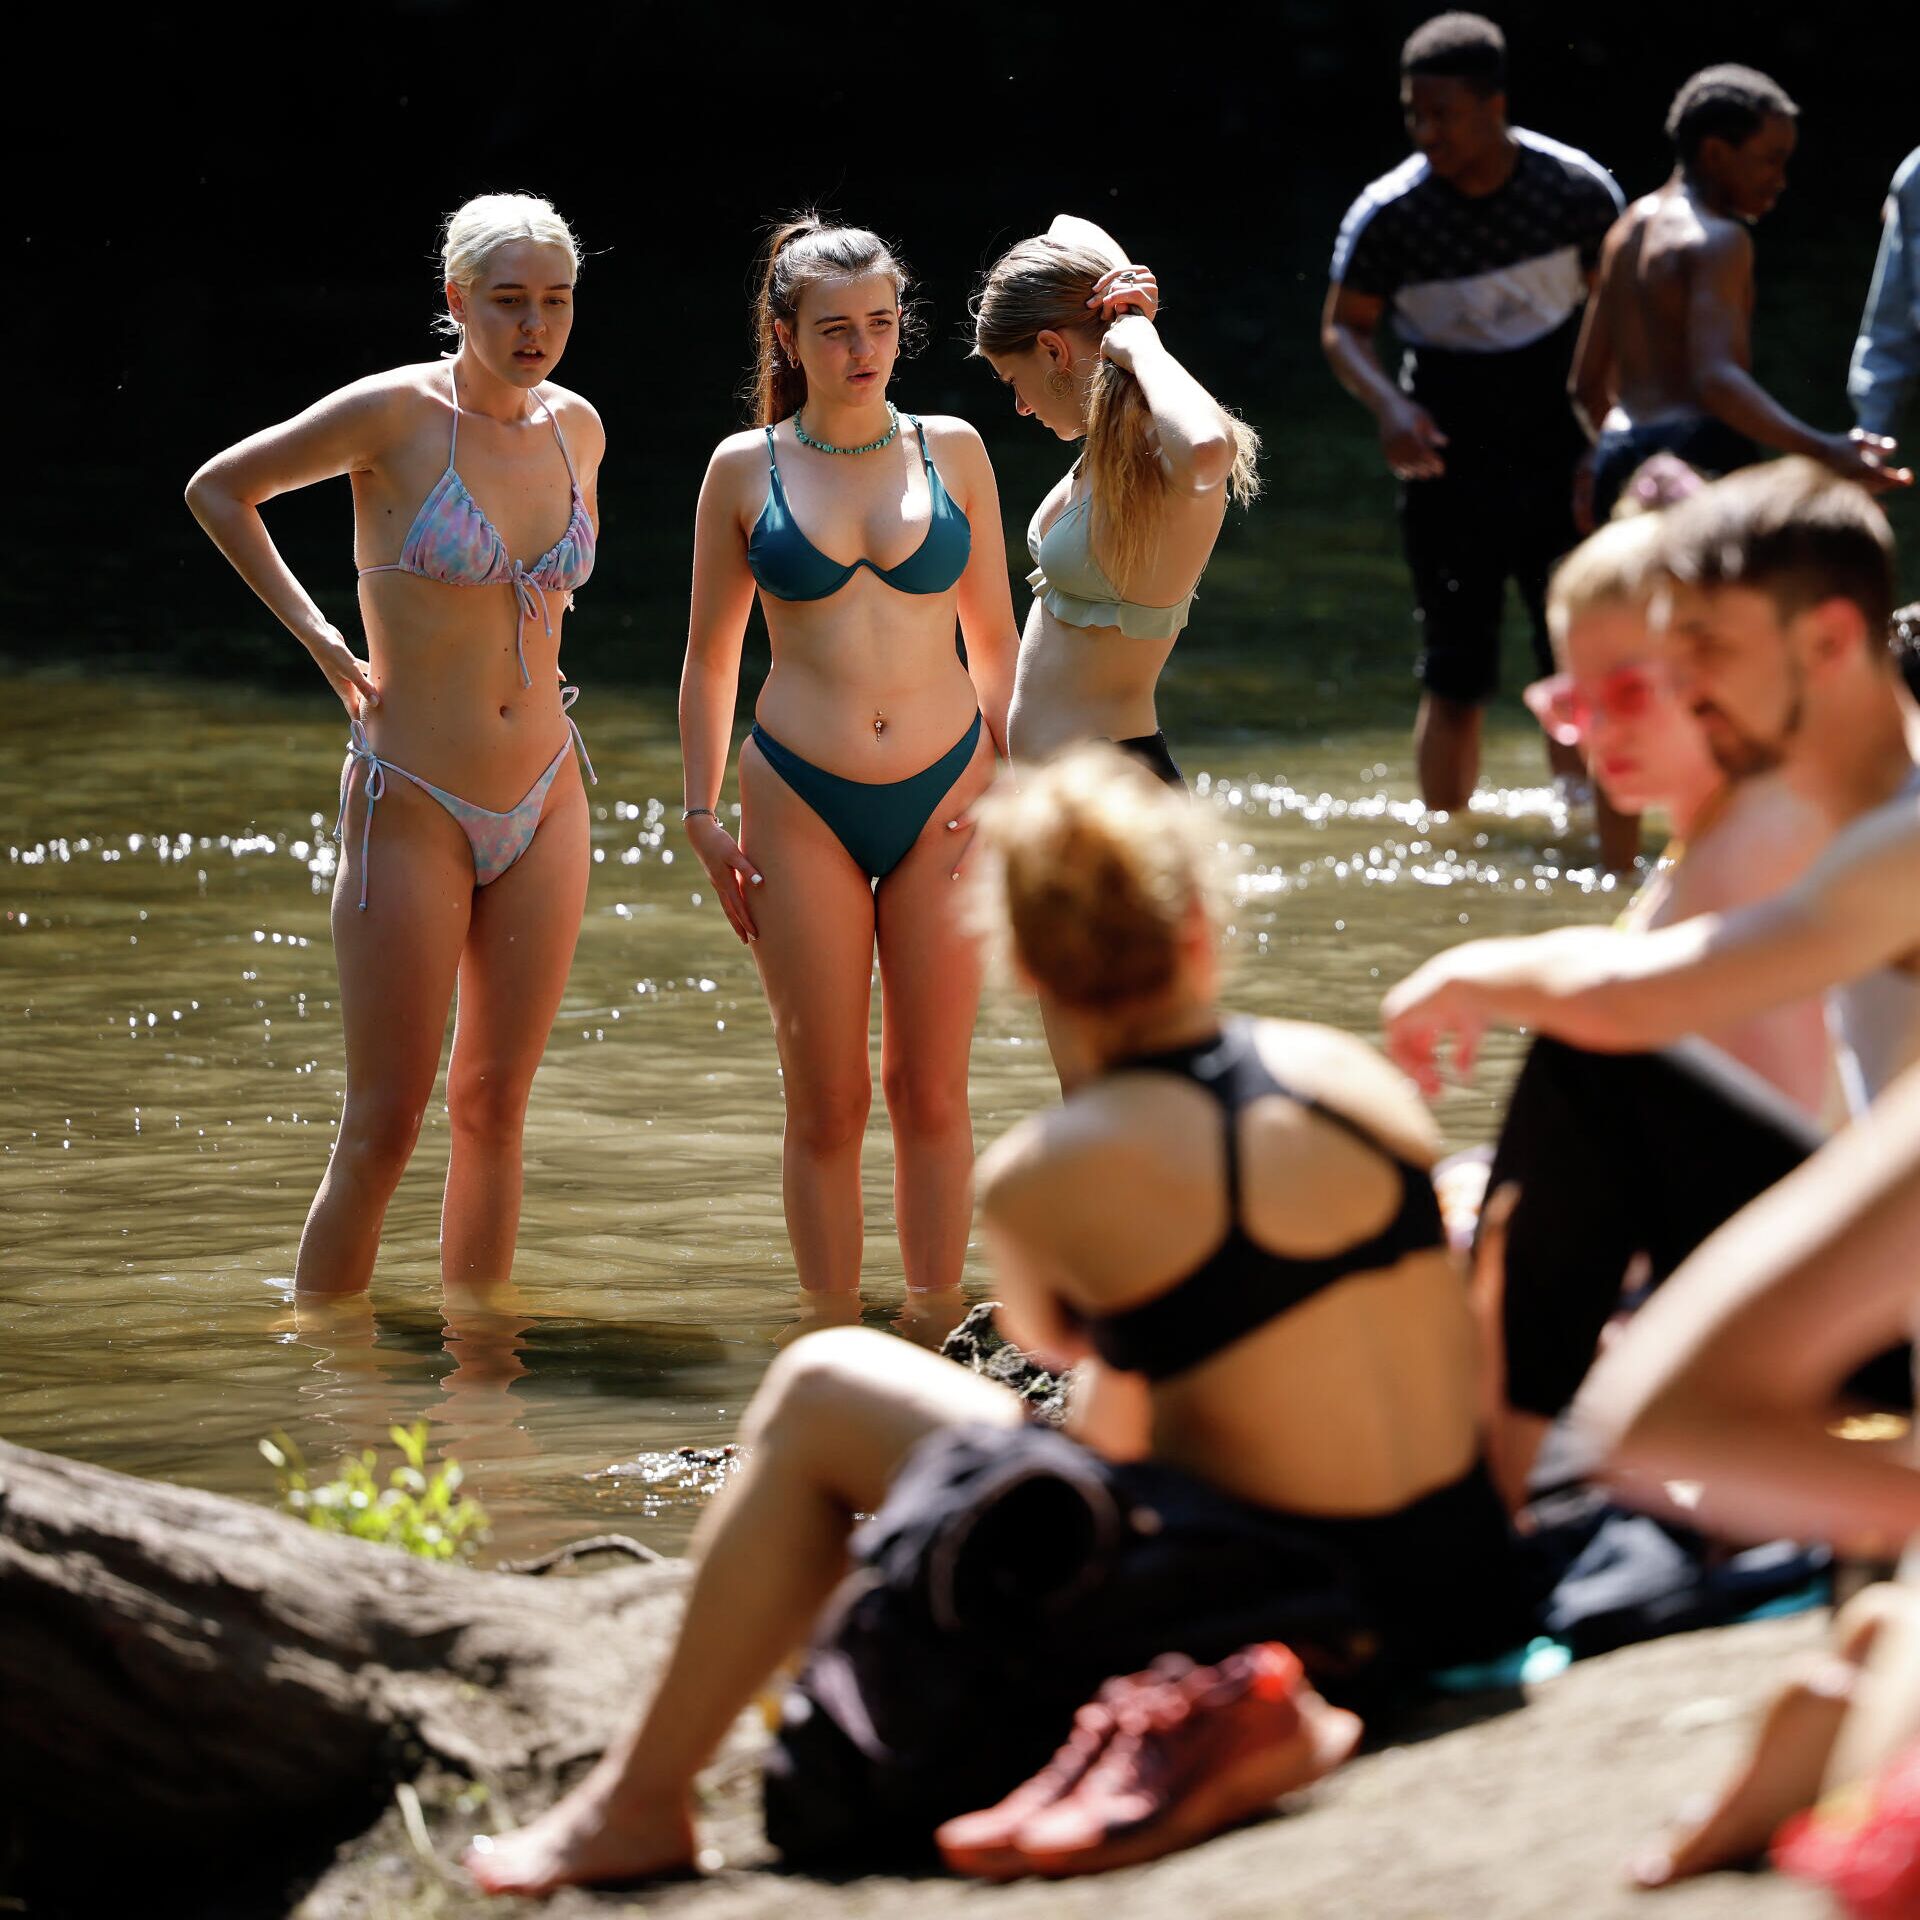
point(1781, 1776)
point(595, 1835)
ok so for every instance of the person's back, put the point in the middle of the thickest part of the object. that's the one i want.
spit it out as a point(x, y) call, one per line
point(1357, 1399)
point(1647, 286)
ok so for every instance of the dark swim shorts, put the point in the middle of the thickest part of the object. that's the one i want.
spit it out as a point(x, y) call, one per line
point(1702, 441)
point(1467, 534)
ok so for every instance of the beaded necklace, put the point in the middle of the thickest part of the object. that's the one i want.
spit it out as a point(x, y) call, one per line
point(806, 439)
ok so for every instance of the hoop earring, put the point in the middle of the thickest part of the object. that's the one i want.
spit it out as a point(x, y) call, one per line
point(1059, 383)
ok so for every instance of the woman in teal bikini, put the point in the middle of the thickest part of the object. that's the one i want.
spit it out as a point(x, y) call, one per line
point(871, 737)
point(459, 737)
point(1120, 544)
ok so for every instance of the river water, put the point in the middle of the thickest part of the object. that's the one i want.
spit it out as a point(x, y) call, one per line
point(170, 1074)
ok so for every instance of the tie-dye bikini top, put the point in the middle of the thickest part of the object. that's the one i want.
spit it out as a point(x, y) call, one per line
point(452, 541)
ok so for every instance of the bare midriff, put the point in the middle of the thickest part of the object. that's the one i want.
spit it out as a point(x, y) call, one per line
point(1081, 683)
point(452, 709)
point(868, 682)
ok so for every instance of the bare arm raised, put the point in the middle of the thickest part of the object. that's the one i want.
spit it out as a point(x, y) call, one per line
point(710, 679)
point(347, 432)
point(1196, 441)
point(1856, 909)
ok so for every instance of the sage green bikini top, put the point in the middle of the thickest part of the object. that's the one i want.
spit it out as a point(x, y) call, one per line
point(1076, 591)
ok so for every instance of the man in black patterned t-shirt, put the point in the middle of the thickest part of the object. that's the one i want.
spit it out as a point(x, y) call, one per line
point(1481, 248)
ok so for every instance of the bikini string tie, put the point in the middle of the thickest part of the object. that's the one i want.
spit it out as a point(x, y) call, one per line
point(360, 752)
point(568, 695)
point(532, 598)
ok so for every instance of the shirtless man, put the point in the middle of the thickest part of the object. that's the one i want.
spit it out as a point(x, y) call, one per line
point(1621, 1142)
point(1665, 359)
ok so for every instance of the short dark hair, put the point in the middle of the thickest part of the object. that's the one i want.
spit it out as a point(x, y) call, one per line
point(1458, 46)
point(1727, 103)
point(1791, 530)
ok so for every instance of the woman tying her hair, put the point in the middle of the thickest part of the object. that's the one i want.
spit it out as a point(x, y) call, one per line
point(474, 520)
point(1120, 544)
point(1230, 1232)
point(865, 531)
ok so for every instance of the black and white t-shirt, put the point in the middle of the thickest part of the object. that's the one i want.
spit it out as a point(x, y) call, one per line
point(1488, 277)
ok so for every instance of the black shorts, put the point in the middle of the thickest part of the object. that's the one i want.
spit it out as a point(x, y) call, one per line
point(1467, 534)
point(1702, 441)
point(1618, 1154)
point(1009, 1571)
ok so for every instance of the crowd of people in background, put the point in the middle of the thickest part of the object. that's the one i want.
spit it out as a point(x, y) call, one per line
point(1303, 1473)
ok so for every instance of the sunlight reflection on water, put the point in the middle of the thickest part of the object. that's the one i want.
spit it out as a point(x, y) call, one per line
point(172, 1075)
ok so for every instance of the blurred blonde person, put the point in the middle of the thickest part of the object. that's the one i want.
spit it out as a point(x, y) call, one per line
point(1229, 1232)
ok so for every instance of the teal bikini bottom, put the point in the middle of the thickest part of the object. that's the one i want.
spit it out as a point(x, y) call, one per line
point(875, 820)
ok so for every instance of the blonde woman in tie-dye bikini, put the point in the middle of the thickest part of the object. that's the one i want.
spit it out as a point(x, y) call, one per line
point(463, 818)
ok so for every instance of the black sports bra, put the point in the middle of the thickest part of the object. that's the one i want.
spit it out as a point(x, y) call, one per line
point(1242, 1285)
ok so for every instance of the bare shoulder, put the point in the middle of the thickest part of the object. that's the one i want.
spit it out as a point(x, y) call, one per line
point(944, 430)
point(955, 443)
point(400, 391)
point(1763, 841)
point(746, 448)
point(738, 464)
point(578, 416)
point(380, 411)
point(1345, 1073)
point(1772, 831)
point(1721, 243)
point(1026, 1175)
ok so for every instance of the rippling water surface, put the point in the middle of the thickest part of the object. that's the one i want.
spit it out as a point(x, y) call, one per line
point(170, 1074)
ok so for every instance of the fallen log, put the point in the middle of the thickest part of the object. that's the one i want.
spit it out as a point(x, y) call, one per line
point(199, 1665)
point(166, 1654)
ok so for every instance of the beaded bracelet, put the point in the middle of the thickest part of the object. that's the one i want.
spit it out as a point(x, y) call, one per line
point(687, 813)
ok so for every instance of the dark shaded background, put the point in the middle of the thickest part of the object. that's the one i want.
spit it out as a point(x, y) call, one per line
point(265, 189)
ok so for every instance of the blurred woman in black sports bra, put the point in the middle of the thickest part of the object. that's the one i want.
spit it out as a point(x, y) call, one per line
point(1229, 1231)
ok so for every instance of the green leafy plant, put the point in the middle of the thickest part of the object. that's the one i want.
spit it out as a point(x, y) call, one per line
point(418, 1511)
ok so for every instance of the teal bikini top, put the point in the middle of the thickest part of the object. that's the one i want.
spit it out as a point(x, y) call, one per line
point(1074, 588)
point(790, 567)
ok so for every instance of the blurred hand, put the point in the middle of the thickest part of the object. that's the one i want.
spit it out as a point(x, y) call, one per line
point(1435, 1002)
point(1411, 440)
point(349, 676)
point(1868, 458)
point(731, 872)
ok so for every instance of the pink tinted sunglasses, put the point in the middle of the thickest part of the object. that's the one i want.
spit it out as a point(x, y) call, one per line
point(1567, 714)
